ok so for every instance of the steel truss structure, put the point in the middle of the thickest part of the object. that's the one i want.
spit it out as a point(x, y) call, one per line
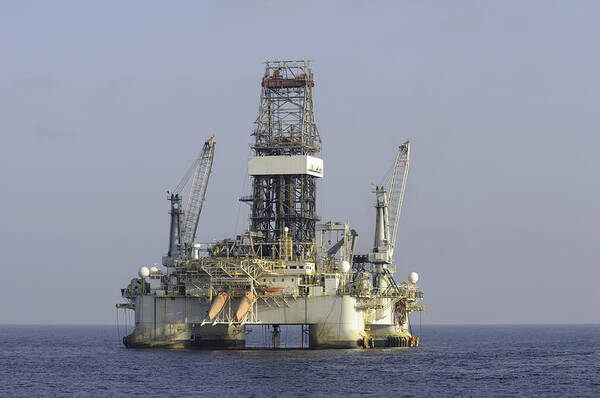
point(285, 127)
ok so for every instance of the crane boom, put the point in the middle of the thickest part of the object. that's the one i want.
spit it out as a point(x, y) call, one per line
point(387, 215)
point(397, 188)
point(195, 199)
point(388, 207)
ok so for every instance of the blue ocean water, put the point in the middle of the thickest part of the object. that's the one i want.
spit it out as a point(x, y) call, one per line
point(451, 361)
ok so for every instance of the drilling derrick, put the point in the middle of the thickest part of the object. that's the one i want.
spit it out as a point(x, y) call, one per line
point(284, 167)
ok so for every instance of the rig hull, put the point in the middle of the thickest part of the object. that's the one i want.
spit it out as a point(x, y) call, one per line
point(334, 322)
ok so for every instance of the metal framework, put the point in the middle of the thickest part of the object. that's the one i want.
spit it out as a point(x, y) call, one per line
point(397, 188)
point(204, 276)
point(185, 223)
point(286, 126)
point(388, 209)
point(195, 198)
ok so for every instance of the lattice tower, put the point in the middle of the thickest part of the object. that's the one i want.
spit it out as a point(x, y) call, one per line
point(286, 127)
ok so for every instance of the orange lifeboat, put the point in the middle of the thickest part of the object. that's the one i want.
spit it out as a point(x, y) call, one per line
point(244, 306)
point(217, 304)
point(269, 289)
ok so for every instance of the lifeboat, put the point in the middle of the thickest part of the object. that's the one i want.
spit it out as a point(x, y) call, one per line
point(217, 304)
point(269, 289)
point(245, 304)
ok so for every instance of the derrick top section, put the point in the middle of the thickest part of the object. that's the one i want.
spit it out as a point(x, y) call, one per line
point(286, 123)
point(288, 74)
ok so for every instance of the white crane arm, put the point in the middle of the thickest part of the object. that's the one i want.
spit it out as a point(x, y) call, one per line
point(195, 199)
point(396, 192)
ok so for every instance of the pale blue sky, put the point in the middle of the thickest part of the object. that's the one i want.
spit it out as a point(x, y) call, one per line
point(103, 107)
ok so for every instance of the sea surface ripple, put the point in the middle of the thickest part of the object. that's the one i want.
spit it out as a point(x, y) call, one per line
point(549, 360)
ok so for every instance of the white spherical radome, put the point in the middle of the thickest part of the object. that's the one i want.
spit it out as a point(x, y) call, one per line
point(413, 277)
point(154, 270)
point(143, 272)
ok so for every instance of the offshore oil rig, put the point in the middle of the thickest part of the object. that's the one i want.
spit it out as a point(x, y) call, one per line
point(288, 268)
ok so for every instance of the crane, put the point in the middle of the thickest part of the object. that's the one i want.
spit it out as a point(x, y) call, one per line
point(387, 216)
point(195, 199)
point(184, 223)
point(397, 188)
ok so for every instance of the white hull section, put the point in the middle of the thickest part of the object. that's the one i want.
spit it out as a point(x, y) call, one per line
point(334, 321)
